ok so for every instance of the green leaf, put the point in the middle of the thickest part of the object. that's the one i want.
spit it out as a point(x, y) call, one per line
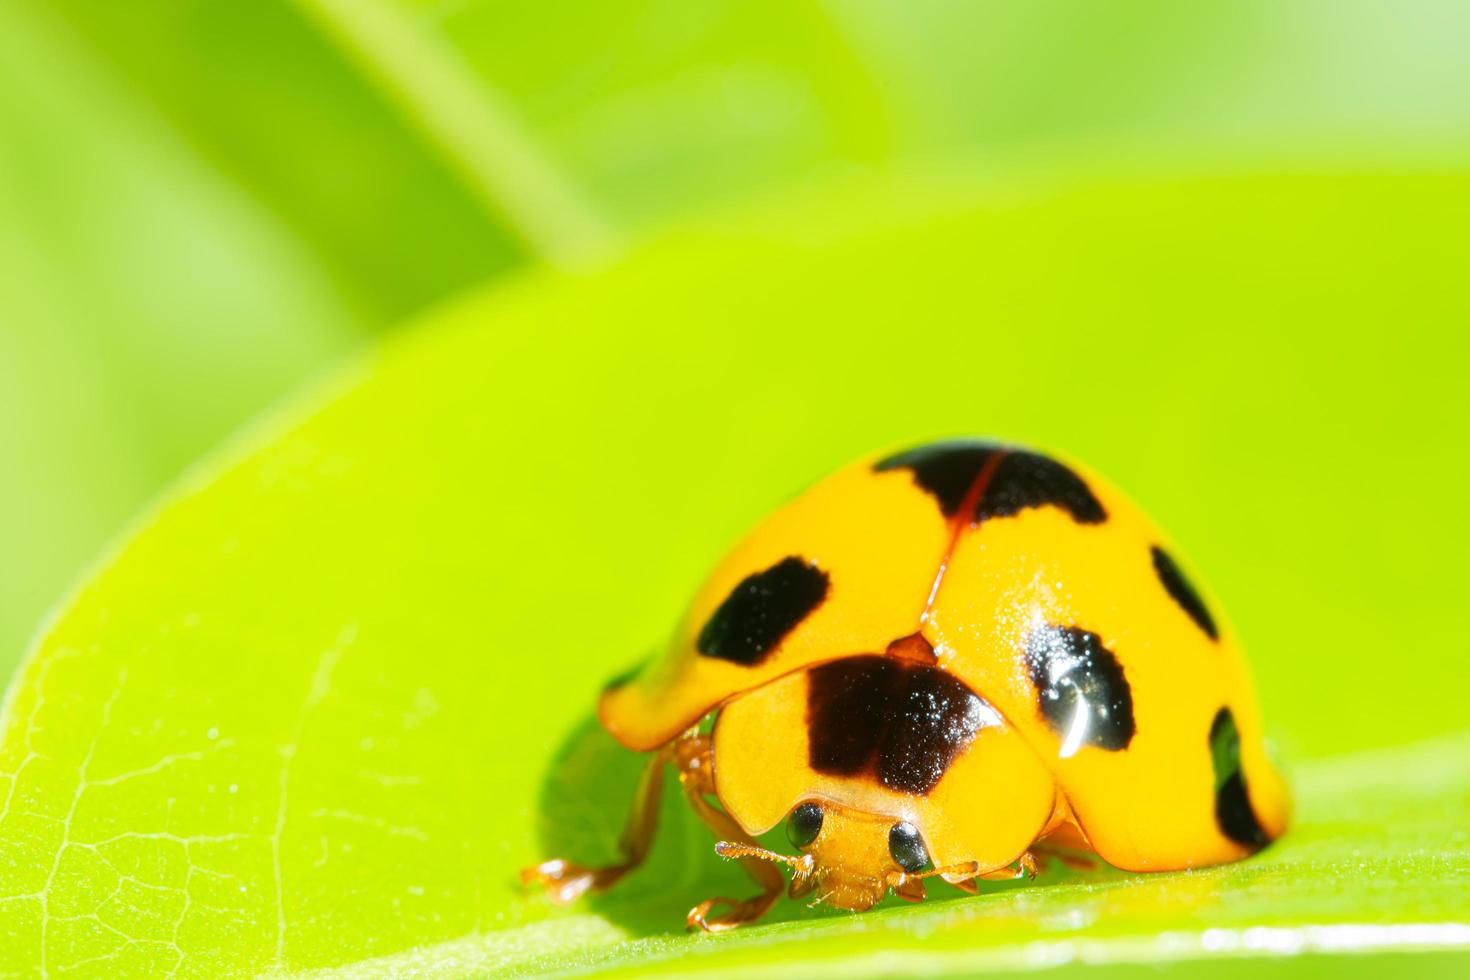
point(343, 164)
point(659, 109)
point(1070, 83)
point(147, 305)
point(280, 107)
point(1375, 822)
point(338, 688)
point(199, 207)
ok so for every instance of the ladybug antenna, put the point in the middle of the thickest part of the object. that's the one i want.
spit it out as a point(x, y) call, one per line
point(731, 849)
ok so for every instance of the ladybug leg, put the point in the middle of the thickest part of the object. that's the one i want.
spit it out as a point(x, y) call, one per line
point(965, 876)
point(909, 888)
point(565, 881)
point(1025, 868)
point(693, 765)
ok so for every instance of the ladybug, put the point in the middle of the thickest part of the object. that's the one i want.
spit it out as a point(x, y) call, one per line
point(948, 662)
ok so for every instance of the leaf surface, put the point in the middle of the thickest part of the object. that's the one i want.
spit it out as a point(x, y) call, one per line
point(334, 692)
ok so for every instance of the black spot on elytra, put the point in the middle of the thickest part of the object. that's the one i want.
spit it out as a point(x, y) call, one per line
point(1073, 672)
point(946, 470)
point(901, 722)
point(1023, 480)
point(761, 610)
point(1232, 803)
point(1183, 593)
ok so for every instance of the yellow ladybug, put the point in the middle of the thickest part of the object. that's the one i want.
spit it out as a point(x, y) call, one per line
point(944, 663)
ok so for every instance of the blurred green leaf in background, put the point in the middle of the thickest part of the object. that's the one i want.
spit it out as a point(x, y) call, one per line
point(204, 201)
point(705, 251)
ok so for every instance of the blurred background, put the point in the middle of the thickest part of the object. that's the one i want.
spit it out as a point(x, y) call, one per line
point(202, 202)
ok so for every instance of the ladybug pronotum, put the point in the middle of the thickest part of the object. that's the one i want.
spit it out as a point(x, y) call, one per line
point(946, 663)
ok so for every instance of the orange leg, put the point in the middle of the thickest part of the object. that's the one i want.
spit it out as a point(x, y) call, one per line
point(908, 888)
point(566, 881)
point(690, 754)
point(1025, 868)
point(697, 779)
point(964, 876)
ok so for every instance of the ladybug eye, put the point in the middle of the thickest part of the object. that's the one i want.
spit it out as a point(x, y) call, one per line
point(804, 824)
point(907, 847)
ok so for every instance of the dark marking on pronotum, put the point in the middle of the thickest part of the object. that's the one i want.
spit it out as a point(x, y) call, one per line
point(1073, 672)
point(761, 610)
point(1025, 480)
point(1183, 593)
point(1232, 803)
point(899, 722)
point(945, 470)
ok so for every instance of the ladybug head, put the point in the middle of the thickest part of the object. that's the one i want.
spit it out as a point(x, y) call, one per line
point(849, 858)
